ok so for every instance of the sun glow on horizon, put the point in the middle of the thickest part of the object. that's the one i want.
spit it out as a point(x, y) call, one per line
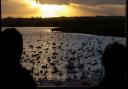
point(54, 10)
point(49, 10)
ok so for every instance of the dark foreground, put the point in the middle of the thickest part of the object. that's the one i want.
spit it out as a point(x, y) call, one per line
point(62, 87)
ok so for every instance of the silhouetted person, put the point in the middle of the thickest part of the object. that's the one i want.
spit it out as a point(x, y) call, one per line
point(15, 75)
point(114, 61)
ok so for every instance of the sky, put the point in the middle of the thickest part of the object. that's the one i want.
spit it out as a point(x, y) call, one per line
point(57, 8)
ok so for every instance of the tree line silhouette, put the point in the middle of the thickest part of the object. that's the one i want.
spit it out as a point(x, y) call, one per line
point(62, 21)
point(101, 25)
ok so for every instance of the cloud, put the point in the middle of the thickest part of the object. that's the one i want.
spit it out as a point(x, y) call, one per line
point(82, 1)
point(20, 8)
point(99, 1)
point(54, 1)
point(17, 8)
point(105, 10)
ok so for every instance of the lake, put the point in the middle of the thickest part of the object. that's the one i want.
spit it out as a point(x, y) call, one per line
point(64, 59)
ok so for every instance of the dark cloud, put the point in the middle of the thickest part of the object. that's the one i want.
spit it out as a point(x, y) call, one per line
point(54, 1)
point(82, 1)
point(99, 1)
point(105, 10)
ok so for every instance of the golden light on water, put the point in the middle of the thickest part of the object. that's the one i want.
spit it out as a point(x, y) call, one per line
point(48, 30)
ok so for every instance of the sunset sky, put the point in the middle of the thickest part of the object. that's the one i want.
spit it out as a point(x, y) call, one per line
point(57, 8)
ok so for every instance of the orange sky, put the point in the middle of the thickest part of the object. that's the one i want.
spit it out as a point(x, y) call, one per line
point(29, 8)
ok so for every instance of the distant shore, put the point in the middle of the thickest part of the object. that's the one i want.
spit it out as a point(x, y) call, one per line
point(108, 30)
point(98, 25)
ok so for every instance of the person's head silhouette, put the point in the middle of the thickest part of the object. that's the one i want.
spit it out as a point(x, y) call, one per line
point(13, 45)
point(114, 61)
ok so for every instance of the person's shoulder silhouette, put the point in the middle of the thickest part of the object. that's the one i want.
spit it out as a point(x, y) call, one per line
point(13, 46)
point(24, 79)
point(115, 64)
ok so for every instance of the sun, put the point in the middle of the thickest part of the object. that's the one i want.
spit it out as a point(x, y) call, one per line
point(49, 10)
point(53, 10)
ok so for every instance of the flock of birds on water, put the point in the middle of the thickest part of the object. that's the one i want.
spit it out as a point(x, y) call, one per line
point(60, 58)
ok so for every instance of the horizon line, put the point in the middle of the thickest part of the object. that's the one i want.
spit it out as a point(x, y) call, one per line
point(63, 16)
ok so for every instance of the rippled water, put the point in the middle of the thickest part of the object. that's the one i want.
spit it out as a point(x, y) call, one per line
point(64, 57)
